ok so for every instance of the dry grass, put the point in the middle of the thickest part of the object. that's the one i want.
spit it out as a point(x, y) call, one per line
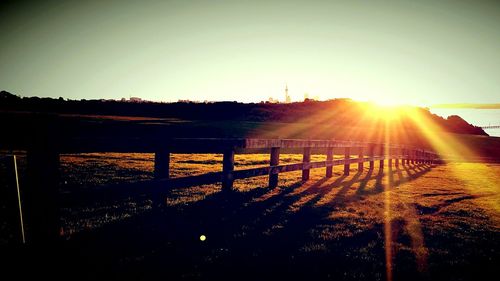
point(439, 222)
point(438, 191)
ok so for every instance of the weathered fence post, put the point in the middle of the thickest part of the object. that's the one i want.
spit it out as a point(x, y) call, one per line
point(41, 208)
point(382, 154)
point(389, 155)
point(372, 154)
point(396, 159)
point(275, 160)
point(227, 169)
point(162, 164)
point(347, 159)
point(329, 158)
point(306, 159)
point(362, 158)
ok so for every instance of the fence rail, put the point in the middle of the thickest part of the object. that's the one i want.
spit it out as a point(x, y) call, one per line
point(367, 152)
point(374, 152)
point(42, 193)
point(203, 145)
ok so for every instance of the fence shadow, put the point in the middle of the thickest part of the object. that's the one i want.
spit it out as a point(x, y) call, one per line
point(257, 232)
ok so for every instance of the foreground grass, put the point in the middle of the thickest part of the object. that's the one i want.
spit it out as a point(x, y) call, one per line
point(416, 222)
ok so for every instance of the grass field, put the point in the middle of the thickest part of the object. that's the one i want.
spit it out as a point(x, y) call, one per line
point(417, 222)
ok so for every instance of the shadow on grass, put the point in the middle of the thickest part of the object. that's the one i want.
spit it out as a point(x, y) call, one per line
point(262, 232)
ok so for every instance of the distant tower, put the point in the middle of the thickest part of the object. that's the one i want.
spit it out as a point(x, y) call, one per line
point(287, 97)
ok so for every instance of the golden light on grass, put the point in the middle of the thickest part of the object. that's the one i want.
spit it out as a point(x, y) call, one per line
point(443, 143)
point(451, 147)
point(387, 203)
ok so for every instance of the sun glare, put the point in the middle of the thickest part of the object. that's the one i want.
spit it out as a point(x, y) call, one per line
point(385, 112)
point(386, 103)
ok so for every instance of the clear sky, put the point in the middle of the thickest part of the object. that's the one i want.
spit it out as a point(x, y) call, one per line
point(416, 52)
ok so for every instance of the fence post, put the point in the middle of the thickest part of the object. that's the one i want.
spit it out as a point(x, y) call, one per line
point(227, 169)
point(382, 154)
point(362, 157)
point(347, 159)
point(162, 164)
point(41, 204)
point(305, 160)
point(396, 159)
point(275, 160)
point(372, 154)
point(389, 156)
point(329, 157)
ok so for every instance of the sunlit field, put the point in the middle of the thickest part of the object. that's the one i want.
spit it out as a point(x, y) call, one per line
point(415, 222)
point(180, 140)
point(412, 222)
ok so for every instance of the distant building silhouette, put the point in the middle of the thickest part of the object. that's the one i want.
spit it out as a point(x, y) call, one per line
point(287, 96)
point(271, 100)
point(135, 99)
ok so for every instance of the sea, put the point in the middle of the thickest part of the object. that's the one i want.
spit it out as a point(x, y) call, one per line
point(476, 117)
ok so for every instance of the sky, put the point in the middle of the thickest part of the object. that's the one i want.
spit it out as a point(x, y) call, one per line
point(391, 52)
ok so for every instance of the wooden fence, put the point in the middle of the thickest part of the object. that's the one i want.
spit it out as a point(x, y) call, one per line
point(366, 152)
point(42, 194)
